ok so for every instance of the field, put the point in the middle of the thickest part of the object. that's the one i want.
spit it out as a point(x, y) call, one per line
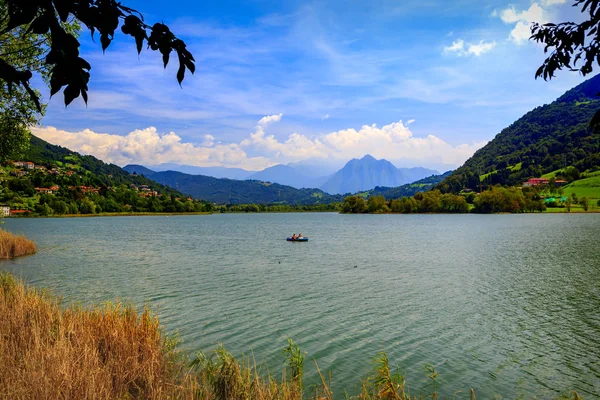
point(587, 187)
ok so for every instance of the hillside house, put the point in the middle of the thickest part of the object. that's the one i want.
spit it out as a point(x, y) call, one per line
point(89, 189)
point(28, 165)
point(19, 164)
point(16, 213)
point(50, 190)
point(536, 182)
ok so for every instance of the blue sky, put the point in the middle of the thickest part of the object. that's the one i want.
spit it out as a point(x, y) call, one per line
point(417, 82)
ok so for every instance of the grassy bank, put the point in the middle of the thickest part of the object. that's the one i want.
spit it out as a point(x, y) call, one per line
point(12, 245)
point(114, 352)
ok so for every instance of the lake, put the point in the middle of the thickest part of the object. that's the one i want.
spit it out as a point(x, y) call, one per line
point(506, 304)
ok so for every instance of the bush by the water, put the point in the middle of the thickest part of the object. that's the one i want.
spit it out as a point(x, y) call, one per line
point(12, 245)
point(113, 352)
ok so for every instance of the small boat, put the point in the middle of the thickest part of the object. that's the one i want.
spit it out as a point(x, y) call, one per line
point(302, 239)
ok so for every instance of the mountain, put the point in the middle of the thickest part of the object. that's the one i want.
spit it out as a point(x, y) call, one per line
point(230, 191)
point(138, 170)
point(545, 139)
point(297, 177)
point(368, 172)
point(216, 172)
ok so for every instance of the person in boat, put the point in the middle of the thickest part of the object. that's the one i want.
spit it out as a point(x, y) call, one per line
point(294, 237)
point(299, 236)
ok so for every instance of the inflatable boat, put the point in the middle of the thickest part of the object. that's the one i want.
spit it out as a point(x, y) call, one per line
point(302, 239)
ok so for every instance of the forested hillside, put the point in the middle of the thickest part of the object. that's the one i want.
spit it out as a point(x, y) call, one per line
point(410, 189)
point(545, 139)
point(229, 191)
point(52, 180)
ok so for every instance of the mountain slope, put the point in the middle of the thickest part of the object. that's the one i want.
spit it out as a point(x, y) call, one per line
point(229, 191)
point(138, 170)
point(52, 180)
point(409, 189)
point(368, 172)
point(215, 172)
point(290, 176)
point(543, 140)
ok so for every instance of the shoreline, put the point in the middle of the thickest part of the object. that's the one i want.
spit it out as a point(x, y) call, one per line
point(174, 214)
point(142, 214)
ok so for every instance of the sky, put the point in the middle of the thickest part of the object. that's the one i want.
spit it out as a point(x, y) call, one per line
point(417, 82)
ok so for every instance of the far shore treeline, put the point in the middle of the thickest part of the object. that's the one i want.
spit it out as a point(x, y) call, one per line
point(494, 200)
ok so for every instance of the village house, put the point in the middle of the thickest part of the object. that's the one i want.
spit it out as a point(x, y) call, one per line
point(14, 213)
point(148, 193)
point(89, 189)
point(50, 190)
point(28, 165)
point(4, 210)
point(543, 181)
point(19, 164)
point(536, 182)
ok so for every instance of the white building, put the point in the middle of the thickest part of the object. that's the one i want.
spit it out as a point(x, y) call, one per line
point(4, 210)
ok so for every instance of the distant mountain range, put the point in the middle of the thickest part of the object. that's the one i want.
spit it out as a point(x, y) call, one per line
point(297, 177)
point(216, 172)
point(355, 176)
point(368, 172)
point(231, 191)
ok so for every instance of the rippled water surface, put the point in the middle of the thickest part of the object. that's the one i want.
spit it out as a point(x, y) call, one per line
point(506, 304)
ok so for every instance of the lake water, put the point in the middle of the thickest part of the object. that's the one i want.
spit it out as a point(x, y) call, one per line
point(506, 304)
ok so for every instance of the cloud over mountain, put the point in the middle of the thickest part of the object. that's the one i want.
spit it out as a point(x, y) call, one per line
point(260, 149)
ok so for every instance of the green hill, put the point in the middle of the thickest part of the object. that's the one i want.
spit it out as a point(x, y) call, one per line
point(53, 180)
point(545, 139)
point(410, 189)
point(230, 191)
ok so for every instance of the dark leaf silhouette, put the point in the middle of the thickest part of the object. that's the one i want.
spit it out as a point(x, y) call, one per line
point(571, 46)
point(67, 67)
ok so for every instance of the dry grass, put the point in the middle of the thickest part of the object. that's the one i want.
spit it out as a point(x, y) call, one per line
point(12, 245)
point(114, 352)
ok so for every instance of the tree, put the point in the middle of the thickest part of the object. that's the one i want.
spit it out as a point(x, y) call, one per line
point(573, 46)
point(568, 203)
point(585, 202)
point(377, 204)
point(354, 205)
point(67, 68)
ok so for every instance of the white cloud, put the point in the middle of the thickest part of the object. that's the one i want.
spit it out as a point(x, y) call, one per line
point(147, 146)
point(522, 20)
point(460, 48)
point(394, 142)
point(553, 2)
point(264, 121)
point(326, 116)
point(535, 13)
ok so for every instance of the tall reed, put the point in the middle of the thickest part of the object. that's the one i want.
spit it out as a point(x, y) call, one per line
point(114, 352)
point(12, 245)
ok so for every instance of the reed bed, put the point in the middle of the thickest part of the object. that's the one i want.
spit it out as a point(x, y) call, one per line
point(12, 245)
point(114, 352)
